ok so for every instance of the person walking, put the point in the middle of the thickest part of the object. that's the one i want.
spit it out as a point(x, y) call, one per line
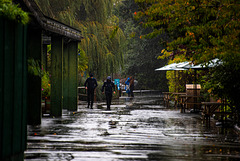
point(109, 89)
point(127, 88)
point(90, 85)
point(131, 86)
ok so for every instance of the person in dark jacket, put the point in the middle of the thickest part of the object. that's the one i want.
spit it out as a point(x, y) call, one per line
point(109, 89)
point(90, 85)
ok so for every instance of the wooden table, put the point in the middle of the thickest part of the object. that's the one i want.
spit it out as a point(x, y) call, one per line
point(184, 100)
point(209, 109)
point(177, 98)
point(166, 98)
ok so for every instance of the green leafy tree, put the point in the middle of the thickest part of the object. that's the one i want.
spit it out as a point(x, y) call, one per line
point(13, 12)
point(200, 31)
point(83, 62)
point(140, 54)
point(102, 36)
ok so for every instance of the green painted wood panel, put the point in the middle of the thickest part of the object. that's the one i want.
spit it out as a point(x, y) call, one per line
point(44, 57)
point(65, 76)
point(1, 80)
point(24, 94)
point(18, 90)
point(73, 46)
point(8, 85)
point(13, 110)
point(57, 76)
point(34, 50)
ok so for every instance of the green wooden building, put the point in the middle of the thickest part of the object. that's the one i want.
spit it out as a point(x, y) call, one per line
point(20, 92)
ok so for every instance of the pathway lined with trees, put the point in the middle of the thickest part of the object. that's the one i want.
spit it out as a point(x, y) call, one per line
point(118, 38)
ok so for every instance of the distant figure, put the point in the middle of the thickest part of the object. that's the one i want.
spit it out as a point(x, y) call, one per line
point(90, 85)
point(127, 86)
point(109, 89)
point(131, 87)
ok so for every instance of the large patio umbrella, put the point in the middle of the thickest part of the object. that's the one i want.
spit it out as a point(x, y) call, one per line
point(212, 63)
point(173, 66)
point(189, 65)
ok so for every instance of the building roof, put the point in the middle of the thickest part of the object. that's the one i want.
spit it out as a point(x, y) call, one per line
point(48, 24)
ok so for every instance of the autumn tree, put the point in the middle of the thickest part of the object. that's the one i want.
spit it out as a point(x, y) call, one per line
point(200, 30)
point(204, 29)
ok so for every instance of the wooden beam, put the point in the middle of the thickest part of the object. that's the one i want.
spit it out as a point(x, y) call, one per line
point(65, 76)
point(57, 76)
point(73, 85)
point(34, 51)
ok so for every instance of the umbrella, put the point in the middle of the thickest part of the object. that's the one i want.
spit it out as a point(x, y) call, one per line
point(173, 66)
point(189, 65)
point(212, 63)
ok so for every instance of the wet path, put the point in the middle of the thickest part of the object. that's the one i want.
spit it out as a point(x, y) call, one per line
point(138, 129)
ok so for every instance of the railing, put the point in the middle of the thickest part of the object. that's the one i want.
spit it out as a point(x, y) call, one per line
point(82, 93)
point(147, 92)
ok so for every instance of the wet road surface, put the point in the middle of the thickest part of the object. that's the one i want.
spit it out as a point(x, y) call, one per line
point(137, 129)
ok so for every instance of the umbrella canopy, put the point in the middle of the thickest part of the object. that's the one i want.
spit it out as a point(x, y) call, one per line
point(188, 65)
point(173, 66)
point(210, 64)
point(183, 64)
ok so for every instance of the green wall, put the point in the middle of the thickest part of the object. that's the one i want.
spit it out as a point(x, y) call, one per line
point(57, 76)
point(13, 93)
point(34, 51)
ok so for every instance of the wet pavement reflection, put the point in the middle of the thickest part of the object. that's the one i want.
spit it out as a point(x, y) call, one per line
point(138, 129)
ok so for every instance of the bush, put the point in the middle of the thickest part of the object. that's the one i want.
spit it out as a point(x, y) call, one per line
point(13, 12)
point(46, 87)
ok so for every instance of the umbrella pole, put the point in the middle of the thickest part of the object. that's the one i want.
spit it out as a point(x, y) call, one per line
point(195, 89)
point(175, 75)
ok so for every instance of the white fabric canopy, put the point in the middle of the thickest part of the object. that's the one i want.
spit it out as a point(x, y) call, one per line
point(173, 66)
point(188, 65)
point(210, 64)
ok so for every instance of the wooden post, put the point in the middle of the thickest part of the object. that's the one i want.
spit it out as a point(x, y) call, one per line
point(44, 57)
point(34, 51)
point(57, 76)
point(65, 76)
point(73, 85)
